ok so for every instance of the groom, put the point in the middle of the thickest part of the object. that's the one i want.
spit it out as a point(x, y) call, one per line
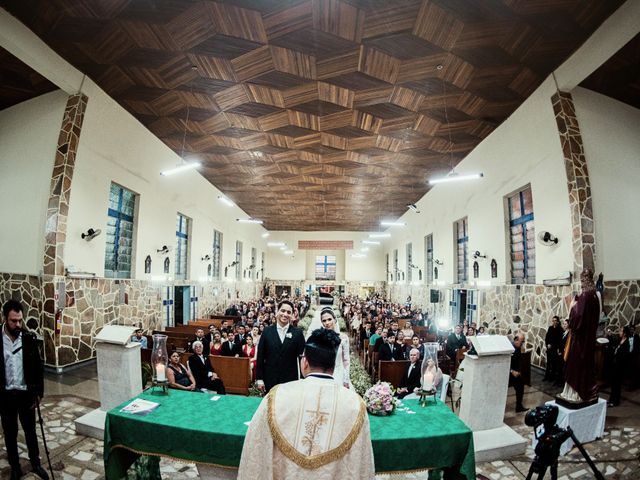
point(279, 348)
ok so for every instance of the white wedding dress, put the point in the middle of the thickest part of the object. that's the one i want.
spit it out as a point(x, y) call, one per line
point(343, 361)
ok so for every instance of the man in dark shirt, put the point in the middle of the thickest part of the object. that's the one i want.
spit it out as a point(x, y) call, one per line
point(411, 378)
point(515, 373)
point(553, 341)
point(390, 350)
point(455, 341)
point(231, 348)
point(201, 338)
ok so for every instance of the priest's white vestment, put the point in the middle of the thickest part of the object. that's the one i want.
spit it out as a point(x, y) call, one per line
point(308, 429)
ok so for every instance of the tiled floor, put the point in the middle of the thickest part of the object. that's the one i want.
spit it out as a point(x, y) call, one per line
point(72, 394)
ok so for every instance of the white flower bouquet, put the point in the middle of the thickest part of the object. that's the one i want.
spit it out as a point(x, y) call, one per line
point(379, 399)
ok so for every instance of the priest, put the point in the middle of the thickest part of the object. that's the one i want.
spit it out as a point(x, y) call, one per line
point(312, 428)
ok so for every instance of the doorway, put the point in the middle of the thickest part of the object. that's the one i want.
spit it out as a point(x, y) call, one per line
point(182, 304)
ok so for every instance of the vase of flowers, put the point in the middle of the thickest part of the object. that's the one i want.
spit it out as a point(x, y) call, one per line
point(379, 399)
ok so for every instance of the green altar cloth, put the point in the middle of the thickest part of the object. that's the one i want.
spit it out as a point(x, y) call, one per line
point(190, 426)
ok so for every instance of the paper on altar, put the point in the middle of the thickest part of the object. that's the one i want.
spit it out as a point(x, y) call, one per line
point(140, 407)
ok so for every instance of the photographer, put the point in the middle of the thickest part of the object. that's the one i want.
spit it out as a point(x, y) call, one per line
point(21, 386)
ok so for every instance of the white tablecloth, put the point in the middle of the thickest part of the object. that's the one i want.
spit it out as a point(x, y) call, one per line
point(587, 423)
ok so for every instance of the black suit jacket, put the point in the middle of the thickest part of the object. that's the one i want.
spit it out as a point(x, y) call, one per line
point(277, 362)
point(31, 364)
point(385, 352)
point(411, 382)
point(229, 352)
point(199, 370)
point(453, 343)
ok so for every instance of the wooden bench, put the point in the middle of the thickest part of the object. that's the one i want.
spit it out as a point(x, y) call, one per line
point(392, 371)
point(234, 372)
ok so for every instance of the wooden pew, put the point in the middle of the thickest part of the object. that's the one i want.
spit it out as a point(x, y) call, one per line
point(234, 372)
point(392, 371)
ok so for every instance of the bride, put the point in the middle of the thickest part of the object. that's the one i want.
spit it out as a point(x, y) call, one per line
point(341, 370)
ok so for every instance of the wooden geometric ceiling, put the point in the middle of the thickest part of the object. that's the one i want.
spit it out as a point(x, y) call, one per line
point(619, 77)
point(19, 82)
point(321, 114)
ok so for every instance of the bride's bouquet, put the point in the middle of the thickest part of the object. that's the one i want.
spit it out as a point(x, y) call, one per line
point(379, 399)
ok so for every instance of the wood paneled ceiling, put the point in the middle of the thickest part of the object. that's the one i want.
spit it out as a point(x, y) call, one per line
point(321, 114)
point(619, 77)
point(19, 82)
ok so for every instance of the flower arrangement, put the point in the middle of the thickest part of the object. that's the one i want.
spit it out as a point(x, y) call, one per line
point(379, 399)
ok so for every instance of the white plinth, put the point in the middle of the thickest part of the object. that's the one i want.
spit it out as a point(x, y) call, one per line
point(484, 391)
point(587, 423)
point(119, 373)
point(497, 444)
point(119, 379)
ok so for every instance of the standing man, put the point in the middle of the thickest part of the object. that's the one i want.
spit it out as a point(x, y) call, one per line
point(278, 351)
point(455, 341)
point(553, 341)
point(515, 373)
point(21, 386)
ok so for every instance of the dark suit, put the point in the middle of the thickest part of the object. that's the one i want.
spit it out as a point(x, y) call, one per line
point(387, 354)
point(517, 381)
point(200, 371)
point(16, 404)
point(277, 362)
point(621, 361)
point(227, 351)
point(453, 344)
point(410, 381)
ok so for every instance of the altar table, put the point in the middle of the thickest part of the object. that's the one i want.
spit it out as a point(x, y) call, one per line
point(191, 427)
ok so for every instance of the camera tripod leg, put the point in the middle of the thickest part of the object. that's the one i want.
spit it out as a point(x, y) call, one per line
point(536, 468)
point(44, 440)
point(586, 456)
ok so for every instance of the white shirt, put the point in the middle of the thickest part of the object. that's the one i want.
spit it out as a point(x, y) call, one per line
point(282, 331)
point(13, 367)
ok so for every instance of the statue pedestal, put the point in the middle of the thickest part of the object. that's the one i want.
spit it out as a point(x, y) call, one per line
point(119, 376)
point(484, 397)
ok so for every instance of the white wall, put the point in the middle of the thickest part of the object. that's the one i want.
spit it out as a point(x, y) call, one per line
point(301, 264)
point(611, 137)
point(525, 149)
point(28, 139)
point(115, 147)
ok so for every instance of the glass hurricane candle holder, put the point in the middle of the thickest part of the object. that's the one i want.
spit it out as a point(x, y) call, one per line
point(159, 361)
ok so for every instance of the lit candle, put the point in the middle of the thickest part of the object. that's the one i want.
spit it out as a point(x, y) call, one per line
point(160, 372)
point(428, 380)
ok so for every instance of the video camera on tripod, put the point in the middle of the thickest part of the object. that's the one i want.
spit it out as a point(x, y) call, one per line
point(550, 438)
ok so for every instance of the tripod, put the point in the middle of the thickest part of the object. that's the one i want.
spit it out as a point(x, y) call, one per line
point(548, 449)
point(44, 440)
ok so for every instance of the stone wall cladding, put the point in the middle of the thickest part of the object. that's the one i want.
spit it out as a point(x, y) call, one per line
point(622, 302)
point(61, 180)
point(578, 182)
point(28, 290)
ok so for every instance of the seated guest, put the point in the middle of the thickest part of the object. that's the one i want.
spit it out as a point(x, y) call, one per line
point(141, 339)
point(374, 338)
point(404, 349)
point(202, 371)
point(216, 345)
point(380, 340)
point(240, 333)
point(390, 350)
point(255, 334)
point(481, 331)
point(201, 338)
point(411, 378)
point(416, 343)
point(231, 348)
point(178, 376)
point(212, 331)
point(249, 350)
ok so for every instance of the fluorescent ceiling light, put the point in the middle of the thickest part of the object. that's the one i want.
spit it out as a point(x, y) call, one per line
point(288, 252)
point(379, 235)
point(276, 244)
point(248, 220)
point(226, 201)
point(370, 242)
point(386, 223)
point(454, 177)
point(265, 234)
point(181, 168)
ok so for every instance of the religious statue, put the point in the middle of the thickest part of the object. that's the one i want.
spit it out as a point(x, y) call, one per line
point(579, 355)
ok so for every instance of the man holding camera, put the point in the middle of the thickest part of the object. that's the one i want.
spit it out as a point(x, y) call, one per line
point(21, 387)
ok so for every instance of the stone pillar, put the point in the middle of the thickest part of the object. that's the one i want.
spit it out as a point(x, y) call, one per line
point(56, 220)
point(578, 183)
